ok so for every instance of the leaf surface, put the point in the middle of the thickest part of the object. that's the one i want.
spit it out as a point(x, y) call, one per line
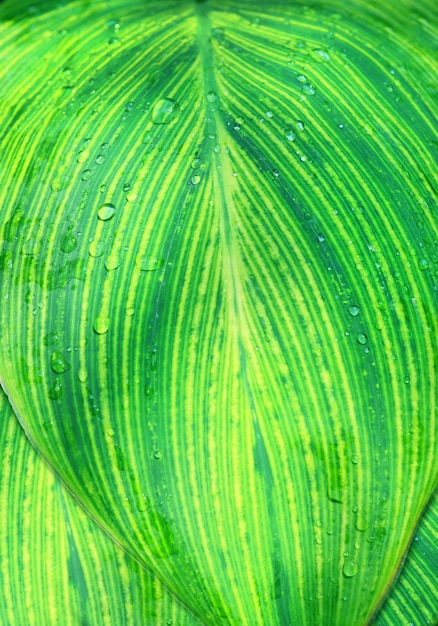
point(414, 599)
point(218, 283)
point(56, 565)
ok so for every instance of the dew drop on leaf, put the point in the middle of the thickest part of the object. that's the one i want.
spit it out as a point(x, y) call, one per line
point(320, 56)
point(142, 503)
point(82, 156)
point(361, 338)
point(51, 338)
point(308, 89)
point(164, 111)
point(112, 262)
point(361, 522)
point(82, 374)
point(211, 96)
point(350, 569)
point(58, 362)
point(423, 264)
point(300, 125)
point(354, 310)
point(196, 179)
point(68, 243)
point(87, 174)
point(96, 248)
point(60, 182)
point(55, 392)
point(131, 196)
point(101, 324)
point(106, 211)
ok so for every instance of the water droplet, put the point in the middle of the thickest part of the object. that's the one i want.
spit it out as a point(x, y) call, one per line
point(211, 96)
point(423, 264)
point(320, 56)
point(100, 159)
point(164, 111)
point(407, 379)
point(150, 264)
point(196, 179)
point(289, 134)
point(51, 338)
point(350, 569)
point(112, 262)
point(148, 391)
point(196, 163)
point(101, 324)
point(82, 374)
point(96, 248)
point(131, 196)
point(82, 156)
point(60, 182)
point(157, 455)
point(169, 622)
point(87, 174)
point(130, 311)
point(106, 211)
point(361, 338)
point(275, 173)
point(321, 238)
point(55, 391)
point(308, 89)
point(58, 363)
point(300, 125)
point(354, 310)
point(354, 459)
point(68, 243)
point(361, 522)
point(142, 503)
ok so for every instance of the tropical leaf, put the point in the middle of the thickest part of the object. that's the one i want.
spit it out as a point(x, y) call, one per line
point(414, 599)
point(56, 565)
point(218, 269)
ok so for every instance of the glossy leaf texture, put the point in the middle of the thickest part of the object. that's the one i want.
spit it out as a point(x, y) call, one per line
point(414, 599)
point(218, 286)
point(56, 565)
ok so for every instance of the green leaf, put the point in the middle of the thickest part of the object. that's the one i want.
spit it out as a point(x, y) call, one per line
point(218, 286)
point(56, 565)
point(414, 599)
